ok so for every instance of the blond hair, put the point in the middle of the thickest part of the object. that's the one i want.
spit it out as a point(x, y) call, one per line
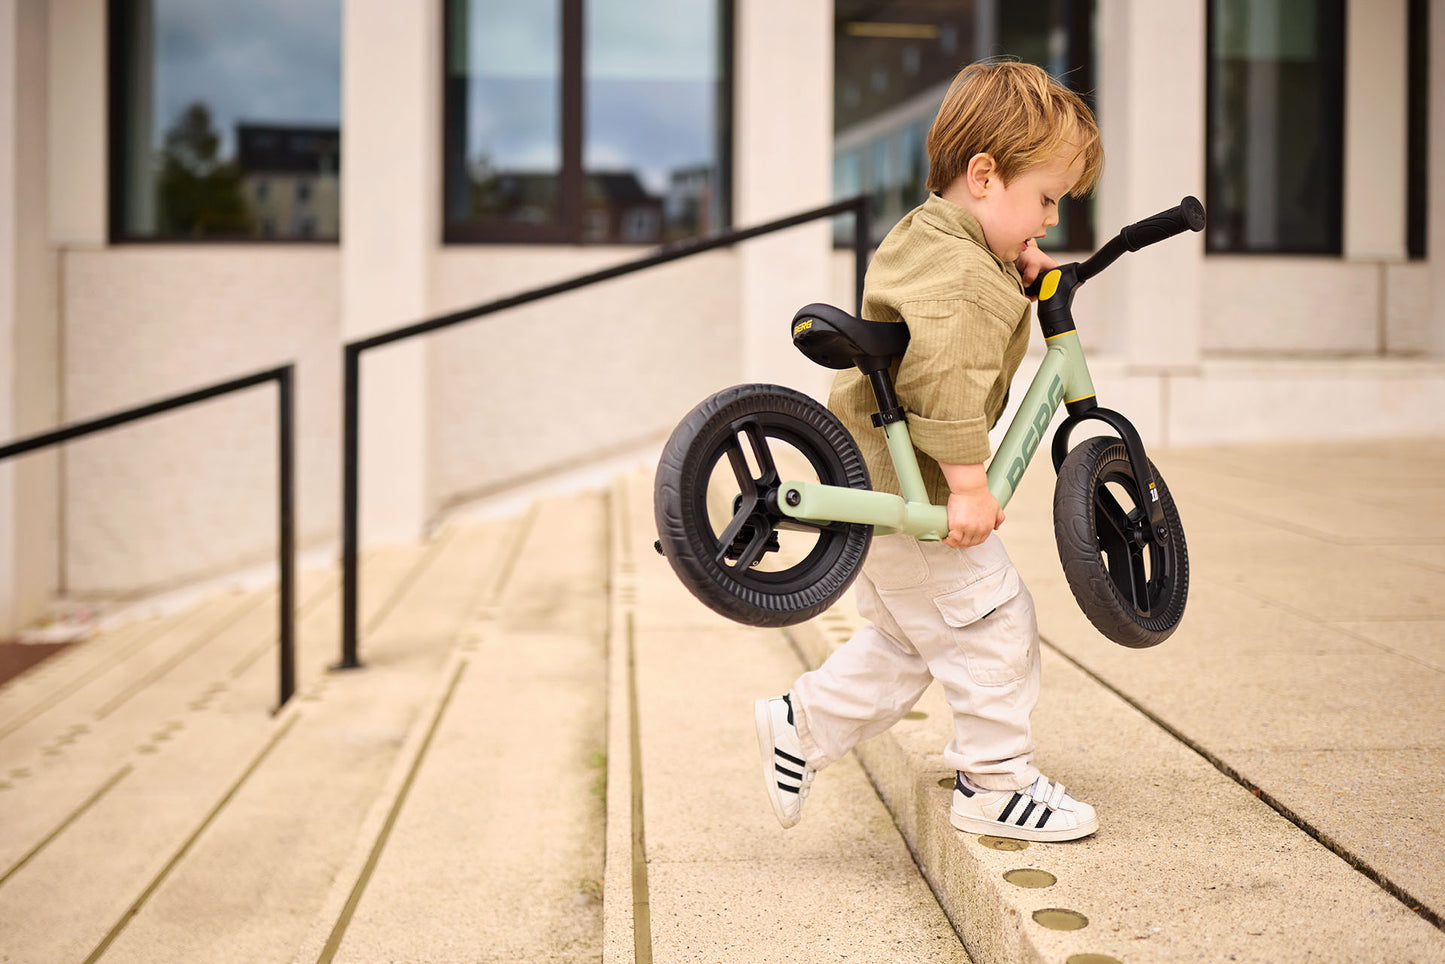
point(1017, 114)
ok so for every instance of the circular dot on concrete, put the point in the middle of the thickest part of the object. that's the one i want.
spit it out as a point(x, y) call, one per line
point(915, 715)
point(1028, 877)
point(1003, 843)
point(1059, 919)
point(946, 782)
point(1092, 959)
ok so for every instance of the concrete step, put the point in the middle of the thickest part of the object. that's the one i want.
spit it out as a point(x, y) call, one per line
point(1176, 746)
point(94, 833)
point(697, 867)
point(486, 844)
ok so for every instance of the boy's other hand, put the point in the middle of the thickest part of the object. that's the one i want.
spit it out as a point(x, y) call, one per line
point(973, 512)
point(1031, 263)
point(971, 517)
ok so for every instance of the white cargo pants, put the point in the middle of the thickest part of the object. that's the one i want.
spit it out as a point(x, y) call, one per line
point(960, 616)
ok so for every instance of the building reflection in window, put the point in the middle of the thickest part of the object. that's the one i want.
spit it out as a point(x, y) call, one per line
point(893, 62)
point(585, 120)
point(1275, 162)
point(226, 119)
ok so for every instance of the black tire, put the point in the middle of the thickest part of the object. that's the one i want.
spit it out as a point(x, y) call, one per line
point(798, 579)
point(1132, 586)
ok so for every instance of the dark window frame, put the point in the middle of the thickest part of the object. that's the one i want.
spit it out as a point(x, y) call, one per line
point(1334, 193)
point(1417, 149)
point(117, 162)
point(569, 227)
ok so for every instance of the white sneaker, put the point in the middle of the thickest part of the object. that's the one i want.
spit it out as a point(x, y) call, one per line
point(788, 776)
point(1040, 812)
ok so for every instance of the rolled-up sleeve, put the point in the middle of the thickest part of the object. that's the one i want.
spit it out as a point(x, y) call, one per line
point(955, 356)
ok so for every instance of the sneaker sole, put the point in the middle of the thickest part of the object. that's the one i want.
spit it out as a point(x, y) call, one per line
point(766, 746)
point(994, 828)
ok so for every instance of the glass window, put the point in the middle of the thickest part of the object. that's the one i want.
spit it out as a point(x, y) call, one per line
point(225, 119)
point(893, 62)
point(1275, 155)
point(586, 120)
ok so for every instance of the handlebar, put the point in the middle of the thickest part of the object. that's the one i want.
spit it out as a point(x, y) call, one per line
point(1187, 215)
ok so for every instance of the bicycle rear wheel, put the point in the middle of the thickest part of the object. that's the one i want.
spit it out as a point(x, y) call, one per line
point(1130, 584)
point(715, 503)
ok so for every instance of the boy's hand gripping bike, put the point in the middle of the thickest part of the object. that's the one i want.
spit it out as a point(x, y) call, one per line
point(764, 508)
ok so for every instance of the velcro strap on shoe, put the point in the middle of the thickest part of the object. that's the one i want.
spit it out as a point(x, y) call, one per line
point(1056, 799)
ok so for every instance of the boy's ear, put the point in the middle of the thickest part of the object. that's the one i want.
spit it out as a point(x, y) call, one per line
point(980, 175)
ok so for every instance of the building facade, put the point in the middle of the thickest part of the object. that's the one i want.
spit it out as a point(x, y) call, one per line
point(151, 242)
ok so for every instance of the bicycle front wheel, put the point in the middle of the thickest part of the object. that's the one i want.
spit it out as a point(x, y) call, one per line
point(715, 499)
point(1130, 584)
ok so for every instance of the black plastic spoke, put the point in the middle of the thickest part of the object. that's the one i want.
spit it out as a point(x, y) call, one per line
point(1138, 579)
point(1113, 513)
point(755, 547)
point(741, 471)
point(767, 471)
point(740, 518)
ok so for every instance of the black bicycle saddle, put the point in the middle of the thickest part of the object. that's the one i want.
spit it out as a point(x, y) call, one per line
point(835, 339)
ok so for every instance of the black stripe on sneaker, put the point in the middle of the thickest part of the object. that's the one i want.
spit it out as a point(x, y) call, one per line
point(958, 785)
point(790, 758)
point(784, 786)
point(1009, 809)
point(786, 772)
point(1025, 815)
point(1043, 818)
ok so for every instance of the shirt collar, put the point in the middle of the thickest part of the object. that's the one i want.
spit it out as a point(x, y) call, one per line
point(952, 219)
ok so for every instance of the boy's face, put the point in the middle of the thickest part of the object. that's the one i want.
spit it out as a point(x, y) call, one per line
point(1011, 214)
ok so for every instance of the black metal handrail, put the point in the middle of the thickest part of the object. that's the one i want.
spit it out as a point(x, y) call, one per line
point(284, 377)
point(351, 375)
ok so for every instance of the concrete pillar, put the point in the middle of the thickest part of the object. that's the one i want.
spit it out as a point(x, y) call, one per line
point(29, 530)
point(390, 217)
point(78, 134)
point(1376, 61)
point(782, 163)
point(1152, 61)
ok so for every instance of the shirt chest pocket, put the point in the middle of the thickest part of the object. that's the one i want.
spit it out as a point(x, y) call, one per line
point(992, 634)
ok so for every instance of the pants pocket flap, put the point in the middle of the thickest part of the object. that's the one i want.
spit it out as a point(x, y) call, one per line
point(979, 598)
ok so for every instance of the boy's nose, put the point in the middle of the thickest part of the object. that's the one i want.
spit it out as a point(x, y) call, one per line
point(1052, 218)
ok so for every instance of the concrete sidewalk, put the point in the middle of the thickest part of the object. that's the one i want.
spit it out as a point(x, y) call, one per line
point(1268, 778)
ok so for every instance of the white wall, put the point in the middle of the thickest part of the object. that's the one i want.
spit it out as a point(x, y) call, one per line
point(571, 378)
point(193, 492)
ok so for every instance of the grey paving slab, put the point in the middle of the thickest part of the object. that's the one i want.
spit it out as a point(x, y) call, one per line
point(1187, 864)
point(1303, 663)
point(724, 881)
point(251, 887)
point(1420, 640)
point(497, 851)
point(137, 786)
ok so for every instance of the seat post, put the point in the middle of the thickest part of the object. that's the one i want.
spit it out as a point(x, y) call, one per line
point(889, 411)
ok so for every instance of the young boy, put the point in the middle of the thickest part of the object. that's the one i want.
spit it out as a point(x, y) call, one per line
point(1007, 144)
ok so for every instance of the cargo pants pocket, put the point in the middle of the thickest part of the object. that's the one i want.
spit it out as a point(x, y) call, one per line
point(987, 631)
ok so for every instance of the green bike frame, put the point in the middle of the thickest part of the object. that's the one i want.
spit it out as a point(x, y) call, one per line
point(1062, 378)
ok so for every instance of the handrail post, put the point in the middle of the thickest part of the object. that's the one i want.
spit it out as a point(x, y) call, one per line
point(351, 376)
point(351, 366)
point(862, 232)
point(286, 458)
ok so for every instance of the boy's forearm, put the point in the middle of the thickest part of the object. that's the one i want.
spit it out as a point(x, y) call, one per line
point(964, 479)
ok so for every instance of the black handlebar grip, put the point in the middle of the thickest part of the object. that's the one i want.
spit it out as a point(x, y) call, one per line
point(1188, 215)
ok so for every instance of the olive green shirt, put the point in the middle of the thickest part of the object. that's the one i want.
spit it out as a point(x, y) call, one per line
point(968, 324)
